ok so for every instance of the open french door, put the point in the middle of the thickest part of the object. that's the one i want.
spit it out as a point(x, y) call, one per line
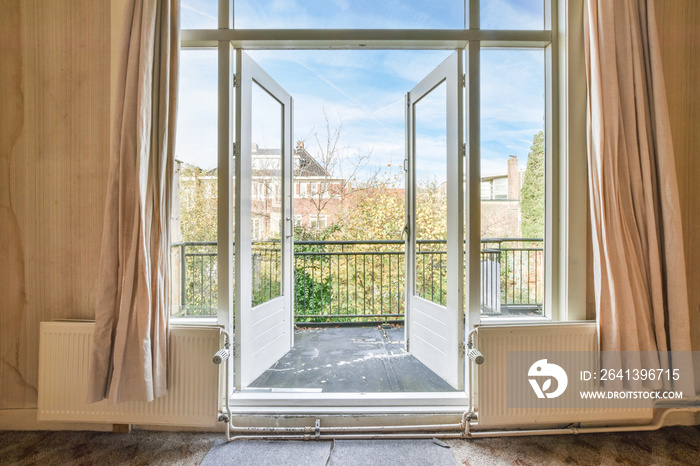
point(434, 221)
point(263, 233)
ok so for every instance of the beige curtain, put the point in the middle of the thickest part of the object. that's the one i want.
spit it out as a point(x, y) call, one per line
point(129, 358)
point(640, 280)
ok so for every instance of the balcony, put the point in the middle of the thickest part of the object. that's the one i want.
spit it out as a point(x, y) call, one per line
point(363, 281)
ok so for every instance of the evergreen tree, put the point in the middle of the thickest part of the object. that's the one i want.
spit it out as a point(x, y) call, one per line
point(532, 193)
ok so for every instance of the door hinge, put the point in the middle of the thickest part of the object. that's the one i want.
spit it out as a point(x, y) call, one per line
point(235, 80)
point(236, 149)
point(463, 150)
point(461, 349)
point(464, 80)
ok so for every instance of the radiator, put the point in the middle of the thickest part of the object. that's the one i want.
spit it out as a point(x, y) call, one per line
point(192, 398)
point(491, 400)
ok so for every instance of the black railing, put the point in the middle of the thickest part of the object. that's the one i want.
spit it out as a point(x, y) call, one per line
point(350, 281)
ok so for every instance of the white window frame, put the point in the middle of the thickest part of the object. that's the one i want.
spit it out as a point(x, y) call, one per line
point(565, 153)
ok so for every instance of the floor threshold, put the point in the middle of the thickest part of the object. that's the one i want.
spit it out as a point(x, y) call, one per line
point(348, 403)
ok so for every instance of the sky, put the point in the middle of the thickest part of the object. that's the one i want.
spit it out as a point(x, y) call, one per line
point(364, 90)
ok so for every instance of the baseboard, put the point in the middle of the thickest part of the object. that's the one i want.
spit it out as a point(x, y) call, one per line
point(26, 419)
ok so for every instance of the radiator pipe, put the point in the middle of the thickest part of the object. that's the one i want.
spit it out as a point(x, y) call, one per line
point(463, 429)
point(659, 423)
point(470, 414)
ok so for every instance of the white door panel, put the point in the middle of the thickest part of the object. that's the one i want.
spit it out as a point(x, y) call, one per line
point(435, 259)
point(263, 270)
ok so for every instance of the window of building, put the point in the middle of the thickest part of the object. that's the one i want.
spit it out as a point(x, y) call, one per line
point(318, 222)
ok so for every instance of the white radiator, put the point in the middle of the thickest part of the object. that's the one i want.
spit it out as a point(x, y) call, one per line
point(491, 400)
point(64, 355)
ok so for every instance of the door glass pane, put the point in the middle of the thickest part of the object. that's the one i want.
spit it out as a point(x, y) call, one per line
point(343, 14)
point(512, 14)
point(430, 123)
point(194, 211)
point(266, 198)
point(512, 182)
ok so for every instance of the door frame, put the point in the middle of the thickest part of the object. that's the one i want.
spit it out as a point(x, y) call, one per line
point(330, 403)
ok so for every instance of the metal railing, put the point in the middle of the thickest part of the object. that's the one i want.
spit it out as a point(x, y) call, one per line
point(350, 281)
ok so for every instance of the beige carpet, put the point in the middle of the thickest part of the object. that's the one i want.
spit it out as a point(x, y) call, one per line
point(669, 446)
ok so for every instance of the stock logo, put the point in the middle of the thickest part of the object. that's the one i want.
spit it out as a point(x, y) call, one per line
point(542, 370)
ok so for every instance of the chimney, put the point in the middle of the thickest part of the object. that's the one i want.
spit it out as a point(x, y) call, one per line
point(513, 178)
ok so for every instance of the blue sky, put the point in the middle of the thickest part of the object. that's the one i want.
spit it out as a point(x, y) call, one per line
point(366, 14)
point(365, 89)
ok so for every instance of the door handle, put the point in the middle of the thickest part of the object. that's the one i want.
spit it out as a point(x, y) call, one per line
point(404, 231)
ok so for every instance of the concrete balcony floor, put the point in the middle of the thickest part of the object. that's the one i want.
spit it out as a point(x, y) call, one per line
point(350, 359)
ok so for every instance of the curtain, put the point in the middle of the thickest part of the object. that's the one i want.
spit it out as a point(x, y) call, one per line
point(129, 356)
point(639, 266)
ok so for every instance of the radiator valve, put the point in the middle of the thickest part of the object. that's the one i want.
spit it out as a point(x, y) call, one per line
point(221, 356)
point(476, 356)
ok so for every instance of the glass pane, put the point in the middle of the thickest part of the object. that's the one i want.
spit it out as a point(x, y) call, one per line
point(199, 14)
point(512, 182)
point(430, 123)
point(512, 14)
point(266, 201)
point(194, 214)
point(344, 14)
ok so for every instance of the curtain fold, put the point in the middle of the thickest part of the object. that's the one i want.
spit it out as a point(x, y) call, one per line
point(639, 264)
point(129, 356)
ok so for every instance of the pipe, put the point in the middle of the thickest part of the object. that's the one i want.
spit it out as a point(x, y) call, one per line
point(469, 414)
point(346, 429)
point(349, 437)
point(579, 430)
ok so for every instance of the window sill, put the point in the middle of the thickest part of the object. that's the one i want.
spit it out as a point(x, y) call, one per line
point(194, 321)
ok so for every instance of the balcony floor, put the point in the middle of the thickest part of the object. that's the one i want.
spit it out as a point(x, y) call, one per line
point(350, 359)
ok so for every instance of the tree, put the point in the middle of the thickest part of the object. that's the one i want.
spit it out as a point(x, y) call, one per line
point(340, 169)
point(532, 193)
point(197, 203)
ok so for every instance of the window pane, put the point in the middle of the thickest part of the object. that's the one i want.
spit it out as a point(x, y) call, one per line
point(512, 14)
point(344, 14)
point(430, 119)
point(266, 206)
point(512, 161)
point(194, 212)
point(199, 14)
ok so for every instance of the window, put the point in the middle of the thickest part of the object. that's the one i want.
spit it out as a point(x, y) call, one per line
point(318, 222)
point(256, 234)
point(522, 55)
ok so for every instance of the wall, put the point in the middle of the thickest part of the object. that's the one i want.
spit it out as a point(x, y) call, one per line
point(678, 22)
point(54, 141)
point(54, 153)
